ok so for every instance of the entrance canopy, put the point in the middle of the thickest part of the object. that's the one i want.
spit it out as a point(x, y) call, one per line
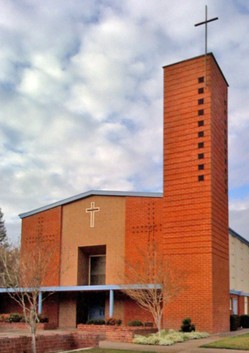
point(95, 288)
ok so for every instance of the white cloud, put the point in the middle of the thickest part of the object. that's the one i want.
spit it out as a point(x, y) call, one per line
point(81, 92)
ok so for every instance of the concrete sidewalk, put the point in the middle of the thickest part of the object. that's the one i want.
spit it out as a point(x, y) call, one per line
point(192, 346)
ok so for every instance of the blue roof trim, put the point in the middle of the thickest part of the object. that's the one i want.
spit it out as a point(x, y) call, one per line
point(88, 194)
point(239, 293)
point(83, 288)
point(236, 235)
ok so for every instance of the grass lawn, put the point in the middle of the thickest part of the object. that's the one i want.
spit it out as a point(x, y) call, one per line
point(236, 342)
point(102, 350)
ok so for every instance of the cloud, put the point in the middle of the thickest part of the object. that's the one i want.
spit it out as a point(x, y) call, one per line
point(81, 94)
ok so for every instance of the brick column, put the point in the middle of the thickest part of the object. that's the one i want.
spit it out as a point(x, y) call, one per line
point(195, 203)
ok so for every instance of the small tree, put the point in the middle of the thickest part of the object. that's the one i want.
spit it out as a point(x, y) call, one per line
point(8, 256)
point(24, 279)
point(3, 233)
point(155, 282)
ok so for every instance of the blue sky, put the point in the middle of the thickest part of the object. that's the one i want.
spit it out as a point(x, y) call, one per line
point(81, 94)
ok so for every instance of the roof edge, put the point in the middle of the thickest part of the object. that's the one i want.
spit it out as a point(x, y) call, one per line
point(88, 194)
point(238, 236)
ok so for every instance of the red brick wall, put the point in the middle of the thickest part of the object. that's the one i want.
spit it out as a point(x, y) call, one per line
point(241, 305)
point(143, 227)
point(195, 213)
point(85, 336)
point(45, 343)
point(43, 231)
point(143, 232)
point(134, 312)
point(8, 305)
point(114, 333)
point(50, 307)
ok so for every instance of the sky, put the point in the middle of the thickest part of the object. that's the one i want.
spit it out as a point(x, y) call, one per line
point(81, 96)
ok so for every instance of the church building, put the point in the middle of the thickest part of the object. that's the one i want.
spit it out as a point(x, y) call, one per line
point(96, 233)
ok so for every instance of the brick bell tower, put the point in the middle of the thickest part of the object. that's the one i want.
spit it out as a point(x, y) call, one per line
point(195, 202)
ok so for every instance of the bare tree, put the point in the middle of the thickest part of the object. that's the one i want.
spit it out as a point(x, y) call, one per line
point(24, 278)
point(154, 281)
point(8, 256)
point(3, 233)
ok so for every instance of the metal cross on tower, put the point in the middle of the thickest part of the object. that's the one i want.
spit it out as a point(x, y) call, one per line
point(206, 27)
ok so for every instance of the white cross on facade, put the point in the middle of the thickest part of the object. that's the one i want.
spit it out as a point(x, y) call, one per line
point(92, 211)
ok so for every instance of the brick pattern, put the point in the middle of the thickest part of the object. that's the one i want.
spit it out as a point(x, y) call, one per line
point(50, 307)
point(44, 230)
point(114, 333)
point(143, 231)
point(85, 336)
point(24, 326)
point(45, 343)
point(195, 209)
point(143, 227)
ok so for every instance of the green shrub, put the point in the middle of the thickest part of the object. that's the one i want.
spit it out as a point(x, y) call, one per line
point(4, 317)
point(167, 338)
point(96, 322)
point(234, 322)
point(112, 321)
point(15, 317)
point(187, 326)
point(148, 324)
point(244, 321)
point(135, 323)
point(42, 318)
point(151, 339)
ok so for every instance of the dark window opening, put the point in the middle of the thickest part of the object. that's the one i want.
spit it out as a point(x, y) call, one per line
point(200, 90)
point(200, 166)
point(201, 134)
point(97, 271)
point(200, 111)
point(200, 177)
point(201, 145)
point(201, 79)
point(201, 123)
point(201, 101)
point(200, 155)
point(91, 265)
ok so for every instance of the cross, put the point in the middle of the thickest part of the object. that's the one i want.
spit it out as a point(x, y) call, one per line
point(206, 27)
point(92, 211)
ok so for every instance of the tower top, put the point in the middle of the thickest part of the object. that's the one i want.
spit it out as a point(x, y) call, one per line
point(205, 57)
point(206, 27)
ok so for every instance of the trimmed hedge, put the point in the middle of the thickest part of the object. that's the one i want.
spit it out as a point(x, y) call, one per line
point(135, 323)
point(187, 325)
point(244, 321)
point(234, 322)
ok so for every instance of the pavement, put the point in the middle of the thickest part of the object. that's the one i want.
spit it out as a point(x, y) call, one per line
point(191, 346)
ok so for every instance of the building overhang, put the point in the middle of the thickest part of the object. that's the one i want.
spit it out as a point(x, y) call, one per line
point(96, 288)
point(239, 293)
